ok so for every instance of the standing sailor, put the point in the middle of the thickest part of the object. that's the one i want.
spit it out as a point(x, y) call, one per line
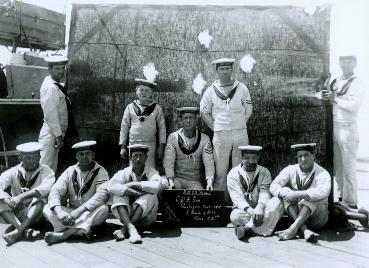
point(254, 211)
point(57, 112)
point(143, 122)
point(346, 93)
point(226, 107)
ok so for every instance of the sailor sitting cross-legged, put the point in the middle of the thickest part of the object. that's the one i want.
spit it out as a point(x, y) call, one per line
point(84, 186)
point(134, 194)
point(30, 183)
point(254, 211)
point(304, 189)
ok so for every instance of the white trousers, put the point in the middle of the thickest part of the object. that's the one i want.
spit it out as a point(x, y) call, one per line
point(148, 202)
point(346, 144)
point(84, 223)
point(272, 214)
point(49, 154)
point(226, 152)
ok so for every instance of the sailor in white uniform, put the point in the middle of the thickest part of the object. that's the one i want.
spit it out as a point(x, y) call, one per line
point(226, 107)
point(346, 94)
point(304, 189)
point(254, 211)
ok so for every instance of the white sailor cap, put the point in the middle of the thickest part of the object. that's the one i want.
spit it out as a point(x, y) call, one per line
point(55, 59)
point(145, 82)
point(255, 149)
point(347, 57)
point(183, 110)
point(223, 62)
point(138, 148)
point(29, 147)
point(303, 147)
point(84, 145)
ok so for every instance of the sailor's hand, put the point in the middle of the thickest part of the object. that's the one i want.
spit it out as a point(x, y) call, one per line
point(292, 197)
point(171, 183)
point(136, 186)
point(209, 185)
point(75, 214)
point(284, 192)
point(65, 218)
point(123, 153)
point(258, 215)
point(133, 192)
point(14, 202)
point(160, 152)
point(59, 142)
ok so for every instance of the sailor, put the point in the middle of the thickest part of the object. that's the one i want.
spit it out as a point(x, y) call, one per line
point(187, 152)
point(57, 112)
point(134, 194)
point(143, 123)
point(304, 189)
point(83, 185)
point(226, 107)
point(254, 211)
point(30, 183)
point(346, 94)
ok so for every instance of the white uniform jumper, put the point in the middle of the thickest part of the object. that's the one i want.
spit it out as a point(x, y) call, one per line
point(316, 183)
point(230, 112)
point(151, 185)
point(248, 192)
point(142, 125)
point(41, 181)
point(80, 188)
point(55, 124)
point(184, 159)
point(349, 96)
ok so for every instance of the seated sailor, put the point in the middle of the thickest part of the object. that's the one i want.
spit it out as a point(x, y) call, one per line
point(83, 185)
point(134, 194)
point(30, 183)
point(254, 211)
point(304, 189)
point(187, 152)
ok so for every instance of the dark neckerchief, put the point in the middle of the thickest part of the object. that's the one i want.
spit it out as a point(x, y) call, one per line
point(87, 184)
point(222, 96)
point(345, 87)
point(142, 178)
point(27, 184)
point(146, 111)
point(71, 129)
point(304, 186)
point(248, 188)
point(193, 149)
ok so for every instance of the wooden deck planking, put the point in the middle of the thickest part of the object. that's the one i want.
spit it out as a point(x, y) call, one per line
point(46, 254)
point(281, 251)
point(141, 253)
point(216, 251)
point(74, 254)
point(111, 255)
point(176, 253)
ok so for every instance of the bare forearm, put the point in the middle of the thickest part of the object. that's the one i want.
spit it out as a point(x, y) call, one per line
point(208, 119)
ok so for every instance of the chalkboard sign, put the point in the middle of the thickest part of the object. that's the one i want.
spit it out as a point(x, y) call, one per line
point(193, 208)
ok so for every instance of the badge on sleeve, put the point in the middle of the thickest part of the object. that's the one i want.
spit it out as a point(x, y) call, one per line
point(208, 148)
